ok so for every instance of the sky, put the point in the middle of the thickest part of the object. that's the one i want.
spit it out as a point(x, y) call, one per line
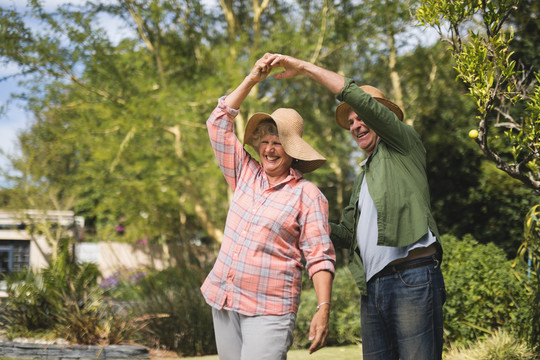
point(14, 118)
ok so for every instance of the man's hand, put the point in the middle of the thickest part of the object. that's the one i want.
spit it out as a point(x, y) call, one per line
point(291, 65)
point(318, 330)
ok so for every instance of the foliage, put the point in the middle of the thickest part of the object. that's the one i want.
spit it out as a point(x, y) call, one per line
point(530, 251)
point(499, 346)
point(506, 97)
point(119, 126)
point(344, 325)
point(496, 206)
point(484, 292)
point(170, 303)
point(63, 299)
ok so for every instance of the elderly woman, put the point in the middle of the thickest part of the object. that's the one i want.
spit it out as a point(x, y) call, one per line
point(275, 217)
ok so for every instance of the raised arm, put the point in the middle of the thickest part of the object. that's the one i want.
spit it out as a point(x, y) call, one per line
point(258, 73)
point(293, 67)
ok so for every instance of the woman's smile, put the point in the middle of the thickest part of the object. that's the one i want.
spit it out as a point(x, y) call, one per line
point(274, 160)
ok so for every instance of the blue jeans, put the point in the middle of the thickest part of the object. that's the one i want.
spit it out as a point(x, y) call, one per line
point(401, 316)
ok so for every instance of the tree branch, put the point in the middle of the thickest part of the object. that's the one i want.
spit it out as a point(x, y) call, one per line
point(322, 33)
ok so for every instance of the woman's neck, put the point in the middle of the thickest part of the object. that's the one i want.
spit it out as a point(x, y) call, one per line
point(274, 180)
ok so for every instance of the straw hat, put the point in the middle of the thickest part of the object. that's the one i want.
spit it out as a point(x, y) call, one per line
point(290, 126)
point(342, 111)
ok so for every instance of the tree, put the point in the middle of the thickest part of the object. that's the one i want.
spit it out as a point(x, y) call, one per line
point(119, 127)
point(116, 97)
point(507, 97)
point(505, 90)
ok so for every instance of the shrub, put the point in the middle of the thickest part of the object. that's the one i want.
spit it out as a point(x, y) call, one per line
point(499, 346)
point(62, 300)
point(174, 311)
point(483, 291)
point(344, 327)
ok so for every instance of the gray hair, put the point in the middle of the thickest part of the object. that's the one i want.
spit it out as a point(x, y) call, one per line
point(266, 126)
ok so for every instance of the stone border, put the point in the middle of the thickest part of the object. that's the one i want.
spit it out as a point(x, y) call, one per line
point(18, 350)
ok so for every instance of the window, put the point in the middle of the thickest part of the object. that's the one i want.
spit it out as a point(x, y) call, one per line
point(14, 255)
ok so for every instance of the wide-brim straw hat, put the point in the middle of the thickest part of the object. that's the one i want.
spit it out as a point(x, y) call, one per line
point(343, 109)
point(290, 126)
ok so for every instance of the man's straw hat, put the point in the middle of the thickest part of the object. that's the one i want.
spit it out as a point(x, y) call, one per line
point(342, 111)
point(290, 126)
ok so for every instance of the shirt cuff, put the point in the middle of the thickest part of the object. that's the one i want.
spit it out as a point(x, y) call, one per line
point(322, 265)
point(229, 110)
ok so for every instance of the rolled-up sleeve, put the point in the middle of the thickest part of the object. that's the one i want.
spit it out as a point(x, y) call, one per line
point(315, 240)
point(229, 152)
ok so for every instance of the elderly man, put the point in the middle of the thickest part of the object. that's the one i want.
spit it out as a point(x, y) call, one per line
point(388, 228)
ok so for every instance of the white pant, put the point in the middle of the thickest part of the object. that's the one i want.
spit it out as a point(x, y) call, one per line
point(241, 337)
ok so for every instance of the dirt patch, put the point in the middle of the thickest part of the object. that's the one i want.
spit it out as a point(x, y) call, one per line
point(163, 354)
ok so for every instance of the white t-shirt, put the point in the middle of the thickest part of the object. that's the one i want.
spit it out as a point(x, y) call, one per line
point(376, 257)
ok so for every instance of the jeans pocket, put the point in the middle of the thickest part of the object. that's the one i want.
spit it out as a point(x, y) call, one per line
point(415, 277)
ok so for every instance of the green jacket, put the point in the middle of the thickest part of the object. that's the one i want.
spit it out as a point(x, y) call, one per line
point(397, 182)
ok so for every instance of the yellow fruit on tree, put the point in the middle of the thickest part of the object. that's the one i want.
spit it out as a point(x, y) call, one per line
point(473, 134)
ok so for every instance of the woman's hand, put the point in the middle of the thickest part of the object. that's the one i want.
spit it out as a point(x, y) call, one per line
point(318, 329)
point(261, 69)
point(258, 73)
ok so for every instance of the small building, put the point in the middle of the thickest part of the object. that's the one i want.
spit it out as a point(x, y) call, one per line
point(17, 250)
point(21, 248)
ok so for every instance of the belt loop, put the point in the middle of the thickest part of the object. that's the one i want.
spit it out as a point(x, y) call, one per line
point(434, 256)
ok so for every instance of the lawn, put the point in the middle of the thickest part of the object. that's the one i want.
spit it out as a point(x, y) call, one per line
point(349, 352)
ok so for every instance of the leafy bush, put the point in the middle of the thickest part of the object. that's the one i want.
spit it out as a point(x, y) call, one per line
point(63, 300)
point(27, 307)
point(499, 346)
point(170, 303)
point(484, 292)
point(530, 250)
point(344, 325)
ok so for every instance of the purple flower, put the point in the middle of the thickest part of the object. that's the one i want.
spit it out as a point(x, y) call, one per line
point(110, 282)
point(143, 241)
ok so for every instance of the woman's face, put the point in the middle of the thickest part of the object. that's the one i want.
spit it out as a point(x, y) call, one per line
point(275, 162)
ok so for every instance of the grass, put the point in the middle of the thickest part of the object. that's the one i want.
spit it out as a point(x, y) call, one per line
point(348, 352)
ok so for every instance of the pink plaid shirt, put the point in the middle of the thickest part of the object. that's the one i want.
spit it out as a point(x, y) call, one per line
point(259, 267)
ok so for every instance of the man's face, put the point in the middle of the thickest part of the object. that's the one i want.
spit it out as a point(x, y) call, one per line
point(365, 137)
